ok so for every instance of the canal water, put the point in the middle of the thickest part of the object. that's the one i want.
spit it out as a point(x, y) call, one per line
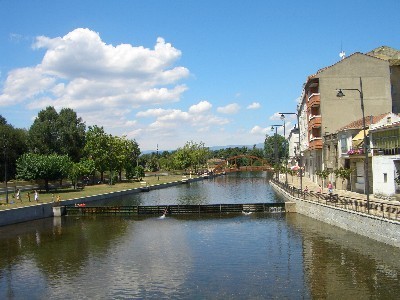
point(233, 256)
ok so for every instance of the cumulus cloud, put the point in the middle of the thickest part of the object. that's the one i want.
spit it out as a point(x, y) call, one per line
point(98, 80)
point(170, 123)
point(257, 130)
point(229, 109)
point(201, 107)
point(254, 105)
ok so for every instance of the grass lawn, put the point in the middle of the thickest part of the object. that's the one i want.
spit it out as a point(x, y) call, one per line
point(70, 193)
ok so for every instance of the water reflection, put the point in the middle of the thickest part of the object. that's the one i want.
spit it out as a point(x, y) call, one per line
point(342, 264)
point(228, 256)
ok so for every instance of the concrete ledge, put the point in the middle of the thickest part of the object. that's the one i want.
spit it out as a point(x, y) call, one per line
point(377, 228)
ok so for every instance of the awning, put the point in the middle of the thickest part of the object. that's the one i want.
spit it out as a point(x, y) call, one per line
point(358, 139)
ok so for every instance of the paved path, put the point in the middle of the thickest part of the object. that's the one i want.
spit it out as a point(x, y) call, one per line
point(314, 187)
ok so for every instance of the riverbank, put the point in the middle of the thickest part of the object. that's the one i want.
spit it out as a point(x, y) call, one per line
point(378, 228)
point(29, 211)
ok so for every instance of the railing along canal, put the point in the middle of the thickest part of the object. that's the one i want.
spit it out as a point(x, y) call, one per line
point(176, 209)
point(376, 208)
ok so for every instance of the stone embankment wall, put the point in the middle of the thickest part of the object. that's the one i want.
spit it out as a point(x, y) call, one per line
point(46, 210)
point(380, 229)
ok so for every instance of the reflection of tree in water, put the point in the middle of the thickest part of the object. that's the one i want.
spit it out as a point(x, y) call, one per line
point(62, 251)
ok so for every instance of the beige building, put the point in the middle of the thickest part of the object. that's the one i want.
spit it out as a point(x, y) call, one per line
point(322, 112)
point(393, 57)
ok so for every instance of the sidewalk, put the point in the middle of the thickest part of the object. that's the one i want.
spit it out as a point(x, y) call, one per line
point(314, 187)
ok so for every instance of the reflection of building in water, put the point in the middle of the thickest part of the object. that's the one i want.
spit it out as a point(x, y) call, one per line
point(339, 264)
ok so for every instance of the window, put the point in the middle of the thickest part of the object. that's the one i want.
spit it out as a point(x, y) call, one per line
point(385, 177)
point(343, 142)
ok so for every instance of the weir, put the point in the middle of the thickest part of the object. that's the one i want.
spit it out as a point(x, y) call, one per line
point(173, 209)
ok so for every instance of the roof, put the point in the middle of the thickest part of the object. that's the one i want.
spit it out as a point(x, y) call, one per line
point(327, 67)
point(388, 126)
point(358, 124)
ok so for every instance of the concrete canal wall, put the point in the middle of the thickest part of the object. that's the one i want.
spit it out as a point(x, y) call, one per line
point(377, 228)
point(47, 210)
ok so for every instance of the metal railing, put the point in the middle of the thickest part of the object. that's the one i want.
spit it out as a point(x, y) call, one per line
point(383, 209)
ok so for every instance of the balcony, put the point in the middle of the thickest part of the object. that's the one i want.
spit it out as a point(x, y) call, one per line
point(314, 122)
point(314, 100)
point(315, 143)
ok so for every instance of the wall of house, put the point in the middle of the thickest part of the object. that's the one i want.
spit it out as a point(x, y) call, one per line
point(338, 112)
point(384, 164)
point(395, 80)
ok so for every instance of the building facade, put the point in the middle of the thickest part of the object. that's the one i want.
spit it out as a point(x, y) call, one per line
point(321, 112)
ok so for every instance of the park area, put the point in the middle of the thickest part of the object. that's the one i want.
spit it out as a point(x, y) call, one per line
point(67, 191)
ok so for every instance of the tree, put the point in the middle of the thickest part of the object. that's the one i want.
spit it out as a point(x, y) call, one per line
point(13, 143)
point(43, 134)
point(32, 166)
point(323, 175)
point(343, 173)
point(71, 133)
point(192, 156)
point(97, 148)
point(62, 133)
point(269, 148)
point(85, 167)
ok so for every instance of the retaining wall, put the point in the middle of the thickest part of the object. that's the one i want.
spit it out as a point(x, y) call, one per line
point(45, 210)
point(380, 229)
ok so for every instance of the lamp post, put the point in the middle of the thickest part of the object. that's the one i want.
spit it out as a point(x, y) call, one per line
point(284, 145)
point(5, 166)
point(340, 94)
point(300, 160)
point(276, 144)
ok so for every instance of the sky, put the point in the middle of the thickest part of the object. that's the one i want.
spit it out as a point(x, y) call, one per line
point(167, 72)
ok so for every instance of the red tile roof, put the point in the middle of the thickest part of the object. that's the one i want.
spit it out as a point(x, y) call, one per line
point(358, 124)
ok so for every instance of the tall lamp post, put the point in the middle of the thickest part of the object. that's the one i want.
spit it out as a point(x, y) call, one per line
point(284, 145)
point(300, 160)
point(340, 94)
point(276, 144)
point(5, 166)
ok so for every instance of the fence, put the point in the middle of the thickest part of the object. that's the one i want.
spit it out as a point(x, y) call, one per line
point(379, 208)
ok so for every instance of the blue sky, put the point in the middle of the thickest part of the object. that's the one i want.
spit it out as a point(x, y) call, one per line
point(167, 72)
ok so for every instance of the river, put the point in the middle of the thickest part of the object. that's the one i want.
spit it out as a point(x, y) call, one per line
point(233, 256)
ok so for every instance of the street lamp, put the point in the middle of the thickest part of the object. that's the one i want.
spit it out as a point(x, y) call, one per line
point(300, 160)
point(340, 94)
point(284, 145)
point(276, 143)
point(5, 166)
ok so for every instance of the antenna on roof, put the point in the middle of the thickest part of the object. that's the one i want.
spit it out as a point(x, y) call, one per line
point(342, 54)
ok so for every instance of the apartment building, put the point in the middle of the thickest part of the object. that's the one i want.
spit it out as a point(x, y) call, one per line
point(321, 112)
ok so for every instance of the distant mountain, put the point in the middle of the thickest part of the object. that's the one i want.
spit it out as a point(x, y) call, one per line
point(213, 148)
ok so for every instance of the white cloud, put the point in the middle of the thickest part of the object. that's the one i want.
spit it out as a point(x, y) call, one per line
point(98, 80)
point(229, 109)
point(257, 130)
point(200, 107)
point(254, 105)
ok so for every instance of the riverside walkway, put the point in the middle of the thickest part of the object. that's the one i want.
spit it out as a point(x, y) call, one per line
point(389, 209)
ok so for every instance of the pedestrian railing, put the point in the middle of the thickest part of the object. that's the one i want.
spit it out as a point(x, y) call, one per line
point(379, 208)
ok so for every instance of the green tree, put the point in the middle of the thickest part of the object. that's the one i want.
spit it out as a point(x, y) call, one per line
point(85, 167)
point(13, 143)
point(192, 156)
point(62, 133)
point(71, 134)
point(97, 148)
point(32, 166)
point(343, 173)
point(269, 148)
